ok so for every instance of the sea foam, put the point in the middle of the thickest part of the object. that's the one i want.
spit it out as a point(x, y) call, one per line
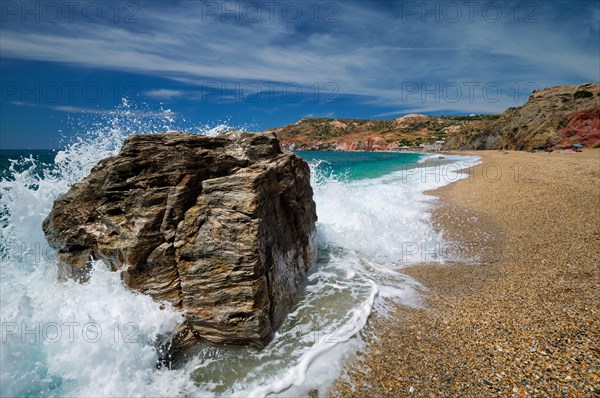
point(99, 338)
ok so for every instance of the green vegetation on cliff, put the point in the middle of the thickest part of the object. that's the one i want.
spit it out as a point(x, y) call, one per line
point(552, 117)
point(362, 134)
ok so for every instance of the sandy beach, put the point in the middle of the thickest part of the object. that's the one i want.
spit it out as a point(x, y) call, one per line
point(519, 315)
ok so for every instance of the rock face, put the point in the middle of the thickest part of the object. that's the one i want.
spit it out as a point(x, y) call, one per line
point(222, 227)
point(553, 117)
point(583, 128)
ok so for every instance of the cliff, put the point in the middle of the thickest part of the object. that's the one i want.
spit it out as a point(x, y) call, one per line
point(222, 227)
point(554, 117)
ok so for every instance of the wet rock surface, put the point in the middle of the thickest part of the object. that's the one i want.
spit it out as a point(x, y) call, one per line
point(221, 227)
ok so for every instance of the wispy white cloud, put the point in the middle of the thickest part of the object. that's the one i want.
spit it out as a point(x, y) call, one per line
point(166, 94)
point(96, 111)
point(368, 53)
point(313, 115)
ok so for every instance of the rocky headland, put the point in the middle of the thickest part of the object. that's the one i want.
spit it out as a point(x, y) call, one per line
point(221, 227)
point(370, 135)
point(552, 118)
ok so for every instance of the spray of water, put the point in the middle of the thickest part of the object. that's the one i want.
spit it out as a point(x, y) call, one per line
point(65, 338)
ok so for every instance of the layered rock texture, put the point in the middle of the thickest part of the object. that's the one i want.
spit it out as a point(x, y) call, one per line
point(221, 227)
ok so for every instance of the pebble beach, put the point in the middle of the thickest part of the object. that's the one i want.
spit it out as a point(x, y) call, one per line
point(518, 314)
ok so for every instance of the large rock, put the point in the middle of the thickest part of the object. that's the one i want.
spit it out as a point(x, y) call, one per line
point(222, 227)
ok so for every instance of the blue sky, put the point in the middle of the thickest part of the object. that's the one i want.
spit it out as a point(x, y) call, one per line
point(263, 64)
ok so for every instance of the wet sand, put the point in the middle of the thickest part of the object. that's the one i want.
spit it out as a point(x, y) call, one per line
point(519, 314)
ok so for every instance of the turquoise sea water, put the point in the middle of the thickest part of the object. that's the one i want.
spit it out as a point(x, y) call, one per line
point(348, 165)
point(359, 165)
point(40, 156)
point(373, 220)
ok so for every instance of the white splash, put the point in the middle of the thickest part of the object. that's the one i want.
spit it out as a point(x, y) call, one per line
point(99, 338)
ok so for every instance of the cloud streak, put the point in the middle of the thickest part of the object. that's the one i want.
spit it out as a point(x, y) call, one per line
point(371, 53)
point(96, 111)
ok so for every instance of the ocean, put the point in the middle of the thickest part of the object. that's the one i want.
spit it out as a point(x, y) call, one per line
point(63, 338)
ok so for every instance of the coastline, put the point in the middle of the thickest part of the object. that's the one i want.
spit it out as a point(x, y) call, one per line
point(518, 314)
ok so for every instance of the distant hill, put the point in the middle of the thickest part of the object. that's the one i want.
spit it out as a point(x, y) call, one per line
point(552, 117)
point(378, 135)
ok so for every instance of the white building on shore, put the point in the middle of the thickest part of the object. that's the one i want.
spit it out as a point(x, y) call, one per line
point(435, 147)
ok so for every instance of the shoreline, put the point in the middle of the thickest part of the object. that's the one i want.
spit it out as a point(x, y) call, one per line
point(518, 314)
